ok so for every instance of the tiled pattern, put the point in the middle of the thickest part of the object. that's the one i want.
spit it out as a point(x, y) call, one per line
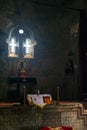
point(51, 119)
point(16, 119)
point(71, 119)
point(26, 118)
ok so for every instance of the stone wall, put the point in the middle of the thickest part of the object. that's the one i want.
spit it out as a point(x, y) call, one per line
point(56, 33)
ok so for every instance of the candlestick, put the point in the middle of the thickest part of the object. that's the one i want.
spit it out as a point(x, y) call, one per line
point(58, 95)
point(24, 98)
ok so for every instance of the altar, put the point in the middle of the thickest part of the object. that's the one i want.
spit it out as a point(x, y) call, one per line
point(40, 110)
point(19, 117)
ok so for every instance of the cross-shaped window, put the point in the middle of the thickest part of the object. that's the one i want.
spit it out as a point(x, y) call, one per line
point(27, 46)
point(13, 45)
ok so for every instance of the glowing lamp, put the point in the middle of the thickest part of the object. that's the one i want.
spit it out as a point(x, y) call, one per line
point(21, 31)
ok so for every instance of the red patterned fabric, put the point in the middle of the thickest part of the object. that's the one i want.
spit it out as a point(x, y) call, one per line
point(56, 128)
point(45, 128)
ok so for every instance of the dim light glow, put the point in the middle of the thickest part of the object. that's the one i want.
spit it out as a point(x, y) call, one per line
point(21, 31)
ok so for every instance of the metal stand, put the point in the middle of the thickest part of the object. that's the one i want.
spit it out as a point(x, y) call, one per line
point(58, 97)
point(24, 95)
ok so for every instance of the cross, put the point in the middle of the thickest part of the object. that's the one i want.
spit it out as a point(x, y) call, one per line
point(27, 45)
point(13, 45)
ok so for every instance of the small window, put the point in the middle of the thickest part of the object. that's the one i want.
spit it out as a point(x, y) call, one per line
point(12, 48)
point(28, 46)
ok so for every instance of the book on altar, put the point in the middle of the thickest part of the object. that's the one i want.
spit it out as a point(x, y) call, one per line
point(39, 99)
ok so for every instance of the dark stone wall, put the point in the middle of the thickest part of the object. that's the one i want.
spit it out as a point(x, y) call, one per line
point(56, 53)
